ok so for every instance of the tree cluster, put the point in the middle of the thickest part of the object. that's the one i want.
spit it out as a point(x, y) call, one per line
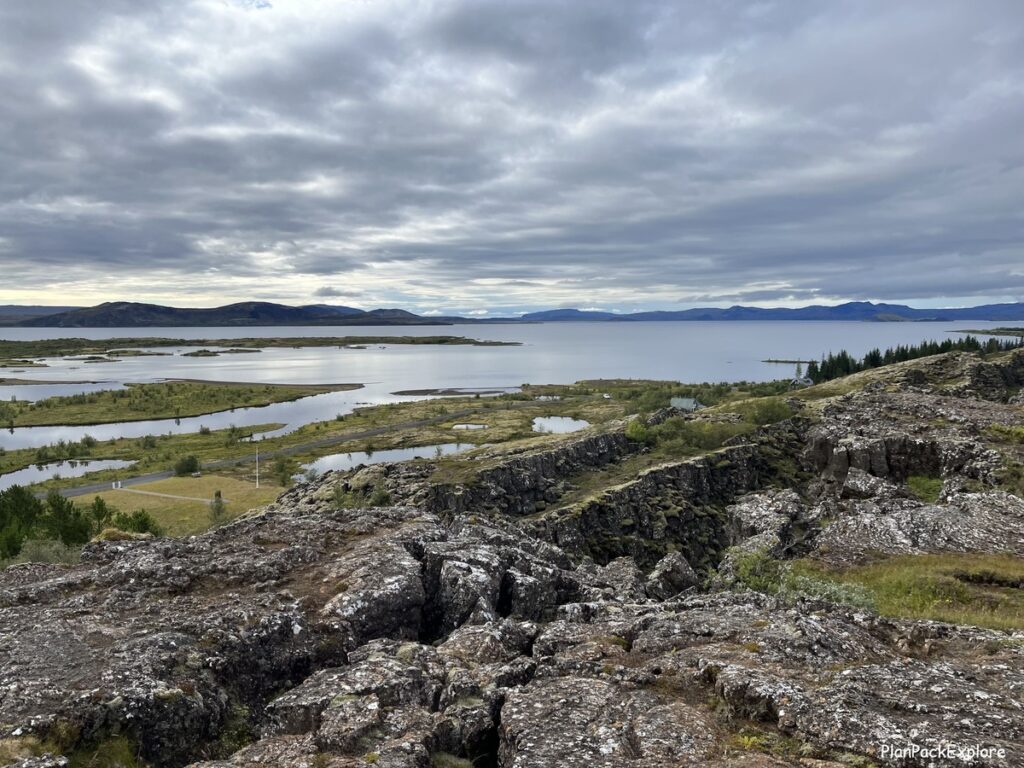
point(839, 364)
point(24, 517)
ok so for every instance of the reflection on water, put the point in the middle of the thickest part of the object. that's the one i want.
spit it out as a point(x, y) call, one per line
point(33, 392)
point(292, 414)
point(345, 461)
point(555, 353)
point(558, 425)
point(41, 472)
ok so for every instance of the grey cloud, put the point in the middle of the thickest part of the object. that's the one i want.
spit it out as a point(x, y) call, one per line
point(329, 292)
point(459, 154)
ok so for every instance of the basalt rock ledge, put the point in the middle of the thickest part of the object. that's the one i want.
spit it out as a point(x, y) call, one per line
point(487, 623)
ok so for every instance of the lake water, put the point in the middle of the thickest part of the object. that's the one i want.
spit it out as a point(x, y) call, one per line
point(345, 461)
point(552, 353)
point(33, 392)
point(558, 425)
point(39, 473)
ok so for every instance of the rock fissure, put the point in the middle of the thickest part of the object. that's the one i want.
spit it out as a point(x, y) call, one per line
point(481, 623)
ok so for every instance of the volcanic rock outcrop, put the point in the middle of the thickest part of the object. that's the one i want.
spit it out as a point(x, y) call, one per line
point(485, 622)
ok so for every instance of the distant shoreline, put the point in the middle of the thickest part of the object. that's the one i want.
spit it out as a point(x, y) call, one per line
point(65, 346)
point(994, 331)
point(128, 314)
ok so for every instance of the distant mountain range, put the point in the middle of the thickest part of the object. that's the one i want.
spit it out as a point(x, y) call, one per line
point(11, 314)
point(854, 310)
point(126, 314)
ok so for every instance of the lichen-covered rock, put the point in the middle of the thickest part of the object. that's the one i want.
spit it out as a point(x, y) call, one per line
point(860, 485)
point(579, 722)
point(670, 576)
point(990, 522)
point(487, 623)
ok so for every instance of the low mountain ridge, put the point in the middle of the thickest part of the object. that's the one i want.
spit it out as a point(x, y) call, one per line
point(12, 314)
point(854, 310)
point(126, 314)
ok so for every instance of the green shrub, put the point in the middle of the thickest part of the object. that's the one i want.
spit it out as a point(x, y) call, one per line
point(789, 581)
point(679, 436)
point(218, 509)
point(186, 465)
point(762, 411)
point(361, 497)
point(974, 589)
point(101, 513)
point(927, 489)
point(64, 521)
point(283, 471)
point(20, 513)
point(139, 521)
point(759, 572)
point(637, 431)
point(380, 497)
point(855, 595)
point(1006, 434)
point(43, 551)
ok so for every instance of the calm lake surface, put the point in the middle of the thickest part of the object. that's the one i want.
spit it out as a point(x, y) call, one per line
point(558, 425)
point(41, 472)
point(345, 461)
point(551, 353)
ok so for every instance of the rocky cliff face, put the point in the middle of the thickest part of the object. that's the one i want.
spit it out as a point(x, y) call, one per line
point(484, 622)
point(674, 507)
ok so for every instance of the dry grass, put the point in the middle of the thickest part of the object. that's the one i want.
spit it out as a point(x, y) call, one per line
point(976, 589)
point(185, 516)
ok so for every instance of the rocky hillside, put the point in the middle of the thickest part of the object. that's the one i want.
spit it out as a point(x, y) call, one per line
point(548, 606)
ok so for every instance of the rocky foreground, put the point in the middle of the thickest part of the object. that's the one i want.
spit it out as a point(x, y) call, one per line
point(488, 621)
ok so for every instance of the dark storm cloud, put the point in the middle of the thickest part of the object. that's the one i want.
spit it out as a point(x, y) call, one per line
point(481, 154)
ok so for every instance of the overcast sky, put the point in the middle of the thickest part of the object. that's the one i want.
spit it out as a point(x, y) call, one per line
point(498, 156)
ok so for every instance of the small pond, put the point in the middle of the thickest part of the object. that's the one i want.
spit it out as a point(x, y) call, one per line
point(41, 472)
point(558, 425)
point(345, 461)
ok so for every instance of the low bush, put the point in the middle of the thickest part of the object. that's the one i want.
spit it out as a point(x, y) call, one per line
point(974, 589)
point(927, 489)
point(353, 498)
point(637, 431)
point(791, 581)
point(139, 521)
point(218, 509)
point(186, 465)
point(678, 436)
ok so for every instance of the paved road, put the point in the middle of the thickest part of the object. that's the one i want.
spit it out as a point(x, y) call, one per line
point(327, 442)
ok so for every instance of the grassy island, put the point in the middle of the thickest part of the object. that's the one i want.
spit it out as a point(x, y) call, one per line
point(1001, 331)
point(21, 351)
point(165, 400)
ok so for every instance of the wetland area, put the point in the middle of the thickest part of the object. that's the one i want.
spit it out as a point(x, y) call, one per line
point(154, 396)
